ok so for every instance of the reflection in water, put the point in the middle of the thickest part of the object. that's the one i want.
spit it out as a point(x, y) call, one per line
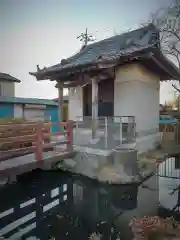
point(169, 182)
point(55, 204)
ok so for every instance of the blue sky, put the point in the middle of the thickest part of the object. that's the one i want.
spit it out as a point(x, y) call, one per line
point(45, 31)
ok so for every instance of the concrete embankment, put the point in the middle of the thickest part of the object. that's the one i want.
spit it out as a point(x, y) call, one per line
point(112, 167)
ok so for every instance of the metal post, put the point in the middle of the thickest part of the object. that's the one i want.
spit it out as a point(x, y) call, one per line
point(70, 135)
point(94, 107)
point(120, 131)
point(135, 134)
point(76, 131)
point(129, 129)
point(106, 132)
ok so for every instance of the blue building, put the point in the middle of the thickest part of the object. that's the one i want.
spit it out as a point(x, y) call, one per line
point(31, 109)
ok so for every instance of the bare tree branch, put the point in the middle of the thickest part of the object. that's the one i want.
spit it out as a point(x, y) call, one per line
point(167, 20)
point(175, 88)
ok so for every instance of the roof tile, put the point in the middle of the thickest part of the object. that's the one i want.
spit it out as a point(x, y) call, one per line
point(117, 45)
point(7, 77)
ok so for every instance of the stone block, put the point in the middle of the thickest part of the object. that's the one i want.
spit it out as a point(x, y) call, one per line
point(127, 158)
point(94, 157)
point(89, 161)
point(70, 163)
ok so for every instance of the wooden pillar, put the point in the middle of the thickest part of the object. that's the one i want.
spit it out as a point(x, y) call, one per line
point(60, 100)
point(94, 107)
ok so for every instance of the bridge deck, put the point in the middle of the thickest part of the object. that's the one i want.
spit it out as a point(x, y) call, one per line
point(26, 163)
point(43, 152)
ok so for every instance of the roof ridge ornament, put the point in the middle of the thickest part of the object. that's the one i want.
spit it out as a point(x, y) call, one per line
point(99, 58)
point(85, 38)
point(38, 68)
point(64, 61)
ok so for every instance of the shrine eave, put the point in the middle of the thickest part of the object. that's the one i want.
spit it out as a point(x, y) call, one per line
point(166, 69)
point(101, 63)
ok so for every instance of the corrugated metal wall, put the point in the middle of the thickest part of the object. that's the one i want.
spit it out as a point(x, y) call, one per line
point(6, 110)
point(51, 112)
point(18, 111)
point(32, 114)
point(11, 110)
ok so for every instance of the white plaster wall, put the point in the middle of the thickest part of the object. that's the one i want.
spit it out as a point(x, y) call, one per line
point(75, 107)
point(18, 110)
point(7, 89)
point(137, 94)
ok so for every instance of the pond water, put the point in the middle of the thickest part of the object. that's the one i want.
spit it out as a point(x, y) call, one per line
point(169, 185)
point(58, 205)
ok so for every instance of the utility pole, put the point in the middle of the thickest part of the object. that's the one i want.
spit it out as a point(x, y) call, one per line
point(174, 100)
point(85, 38)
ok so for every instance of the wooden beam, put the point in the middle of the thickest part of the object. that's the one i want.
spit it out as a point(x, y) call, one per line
point(71, 84)
point(109, 73)
point(83, 79)
point(107, 65)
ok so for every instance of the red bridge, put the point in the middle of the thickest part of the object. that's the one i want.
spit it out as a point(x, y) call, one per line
point(33, 146)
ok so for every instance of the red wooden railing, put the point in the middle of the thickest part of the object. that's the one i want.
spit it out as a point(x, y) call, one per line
point(40, 146)
point(39, 137)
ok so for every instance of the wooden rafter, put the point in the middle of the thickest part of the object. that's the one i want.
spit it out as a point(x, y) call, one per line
point(82, 79)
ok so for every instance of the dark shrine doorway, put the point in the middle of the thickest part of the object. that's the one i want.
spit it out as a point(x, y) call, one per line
point(105, 98)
